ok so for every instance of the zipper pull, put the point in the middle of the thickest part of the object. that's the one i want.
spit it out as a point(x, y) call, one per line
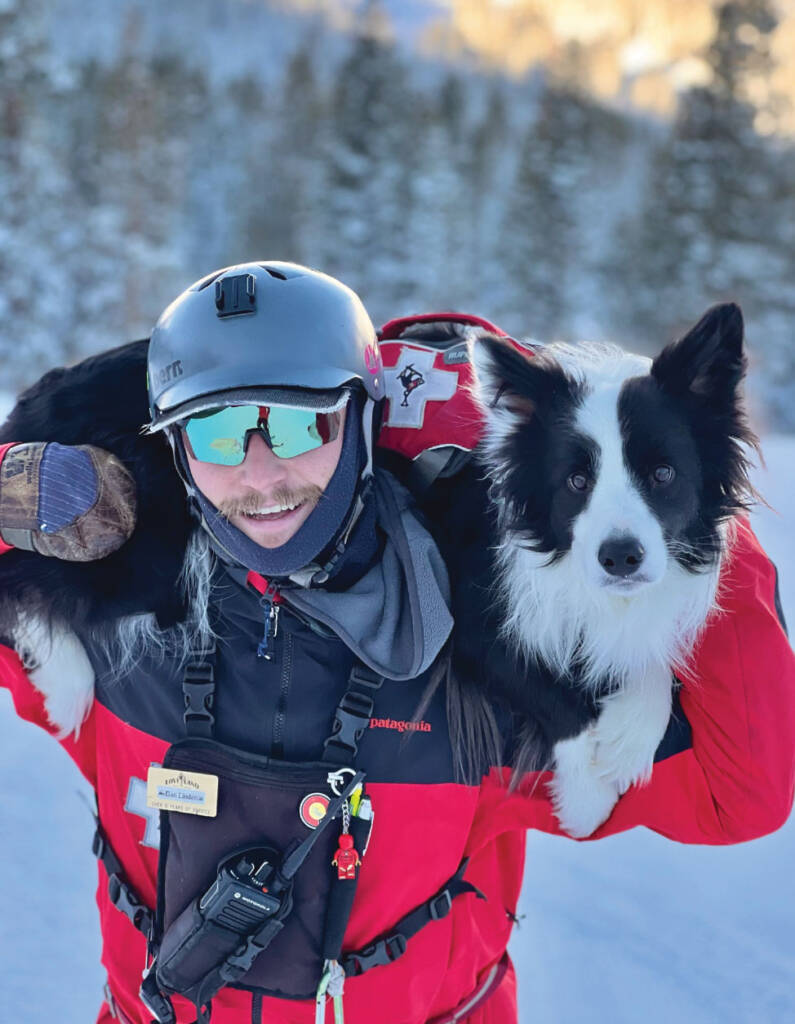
point(270, 601)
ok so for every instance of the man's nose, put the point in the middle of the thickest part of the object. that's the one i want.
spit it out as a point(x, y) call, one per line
point(261, 468)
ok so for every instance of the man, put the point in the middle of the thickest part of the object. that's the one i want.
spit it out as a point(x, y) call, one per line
point(271, 655)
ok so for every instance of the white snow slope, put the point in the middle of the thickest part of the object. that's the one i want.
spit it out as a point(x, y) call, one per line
point(630, 928)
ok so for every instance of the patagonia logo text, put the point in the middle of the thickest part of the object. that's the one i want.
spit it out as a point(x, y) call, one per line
point(399, 726)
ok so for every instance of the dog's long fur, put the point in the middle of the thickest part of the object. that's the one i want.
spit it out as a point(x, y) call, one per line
point(585, 647)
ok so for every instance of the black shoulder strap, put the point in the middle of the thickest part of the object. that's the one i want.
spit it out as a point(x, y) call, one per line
point(393, 945)
point(121, 895)
point(352, 715)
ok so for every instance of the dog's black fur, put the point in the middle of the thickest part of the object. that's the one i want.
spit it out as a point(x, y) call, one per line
point(102, 401)
point(486, 668)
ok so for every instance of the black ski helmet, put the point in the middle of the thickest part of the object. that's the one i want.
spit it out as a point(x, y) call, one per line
point(249, 331)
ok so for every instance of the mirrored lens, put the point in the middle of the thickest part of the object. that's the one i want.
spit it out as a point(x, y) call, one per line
point(295, 431)
point(220, 435)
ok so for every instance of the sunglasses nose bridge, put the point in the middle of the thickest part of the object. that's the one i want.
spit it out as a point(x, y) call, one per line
point(261, 430)
point(261, 466)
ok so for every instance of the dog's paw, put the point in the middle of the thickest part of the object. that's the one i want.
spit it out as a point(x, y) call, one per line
point(581, 798)
point(628, 731)
point(625, 760)
point(582, 805)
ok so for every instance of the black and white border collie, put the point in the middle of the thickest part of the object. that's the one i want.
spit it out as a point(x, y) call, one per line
point(613, 480)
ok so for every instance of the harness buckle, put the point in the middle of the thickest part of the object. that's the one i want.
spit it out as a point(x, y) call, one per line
point(440, 905)
point(123, 898)
point(98, 845)
point(380, 953)
point(199, 695)
point(349, 726)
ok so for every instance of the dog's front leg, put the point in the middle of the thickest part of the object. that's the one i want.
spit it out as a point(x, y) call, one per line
point(593, 769)
point(630, 726)
point(581, 797)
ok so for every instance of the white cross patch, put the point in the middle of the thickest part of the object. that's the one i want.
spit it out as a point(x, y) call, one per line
point(136, 804)
point(412, 382)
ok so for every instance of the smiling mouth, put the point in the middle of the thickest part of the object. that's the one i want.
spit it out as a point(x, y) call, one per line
point(271, 513)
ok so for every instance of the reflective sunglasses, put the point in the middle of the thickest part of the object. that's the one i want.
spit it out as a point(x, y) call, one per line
point(221, 436)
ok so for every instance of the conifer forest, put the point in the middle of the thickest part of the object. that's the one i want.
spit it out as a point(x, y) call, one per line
point(133, 160)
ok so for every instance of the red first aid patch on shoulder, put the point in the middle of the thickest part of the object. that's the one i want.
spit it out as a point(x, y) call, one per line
point(428, 402)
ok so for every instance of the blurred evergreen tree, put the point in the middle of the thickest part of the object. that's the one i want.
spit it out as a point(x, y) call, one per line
point(439, 233)
point(540, 246)
point(708, 213)
point(133, 162)
point(367, 189)
point(35, 240)
point(294, 166)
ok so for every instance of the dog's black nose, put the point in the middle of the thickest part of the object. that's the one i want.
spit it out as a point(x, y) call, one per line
point(621, 556)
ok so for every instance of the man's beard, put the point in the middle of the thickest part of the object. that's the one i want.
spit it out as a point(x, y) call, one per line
point(284, 497)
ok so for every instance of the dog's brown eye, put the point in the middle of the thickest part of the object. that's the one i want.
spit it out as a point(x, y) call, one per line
point(578, 482)
point(663, 474)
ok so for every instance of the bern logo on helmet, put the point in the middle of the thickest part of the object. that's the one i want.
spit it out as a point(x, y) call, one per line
point(372, 358)
point(170, 372)
point(235, 295)
point(414, 381)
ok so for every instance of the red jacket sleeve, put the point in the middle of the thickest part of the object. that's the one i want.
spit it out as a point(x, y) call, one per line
point(29, 705)
point(736, 779)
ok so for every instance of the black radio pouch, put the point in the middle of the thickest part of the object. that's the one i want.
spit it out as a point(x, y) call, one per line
point(258, 835)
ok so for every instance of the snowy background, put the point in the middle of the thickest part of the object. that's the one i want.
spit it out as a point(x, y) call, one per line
point(142, 145)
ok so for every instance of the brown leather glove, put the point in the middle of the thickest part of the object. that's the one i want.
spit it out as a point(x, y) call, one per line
point(75, 503)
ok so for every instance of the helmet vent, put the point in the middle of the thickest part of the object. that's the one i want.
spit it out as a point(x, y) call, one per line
point(205, 281)
point(274, 273)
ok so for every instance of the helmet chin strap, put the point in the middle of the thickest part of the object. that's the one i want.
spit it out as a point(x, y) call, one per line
point(325, 531)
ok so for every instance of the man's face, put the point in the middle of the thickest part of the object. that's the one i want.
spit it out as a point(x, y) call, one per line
point(265, 497)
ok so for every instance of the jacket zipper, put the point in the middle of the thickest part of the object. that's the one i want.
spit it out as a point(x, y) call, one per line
point(277, 746)
point(269, 602)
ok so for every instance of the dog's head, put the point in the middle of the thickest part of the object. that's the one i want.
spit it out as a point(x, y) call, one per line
point(614, 460)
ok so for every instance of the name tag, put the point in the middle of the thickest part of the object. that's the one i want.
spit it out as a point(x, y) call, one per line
point(170, 789)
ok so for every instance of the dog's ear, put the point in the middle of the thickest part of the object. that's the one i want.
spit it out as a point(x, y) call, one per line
point(709, 362)
point(509, 382)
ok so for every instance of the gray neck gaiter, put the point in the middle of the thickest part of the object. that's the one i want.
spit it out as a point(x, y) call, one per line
point(396, 617)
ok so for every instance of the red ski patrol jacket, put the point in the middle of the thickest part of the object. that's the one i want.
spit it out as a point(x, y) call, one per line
point(724, 773)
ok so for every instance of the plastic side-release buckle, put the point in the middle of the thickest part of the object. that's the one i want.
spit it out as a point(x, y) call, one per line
point(380, 953)
point(123, 898)
point(199, 695)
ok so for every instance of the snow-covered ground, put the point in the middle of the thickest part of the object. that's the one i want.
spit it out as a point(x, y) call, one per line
point(634, 927)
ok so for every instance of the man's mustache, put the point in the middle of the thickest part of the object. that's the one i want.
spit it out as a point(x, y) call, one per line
point(253, 501)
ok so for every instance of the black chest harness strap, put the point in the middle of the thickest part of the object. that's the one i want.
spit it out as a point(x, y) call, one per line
point(351, 719)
